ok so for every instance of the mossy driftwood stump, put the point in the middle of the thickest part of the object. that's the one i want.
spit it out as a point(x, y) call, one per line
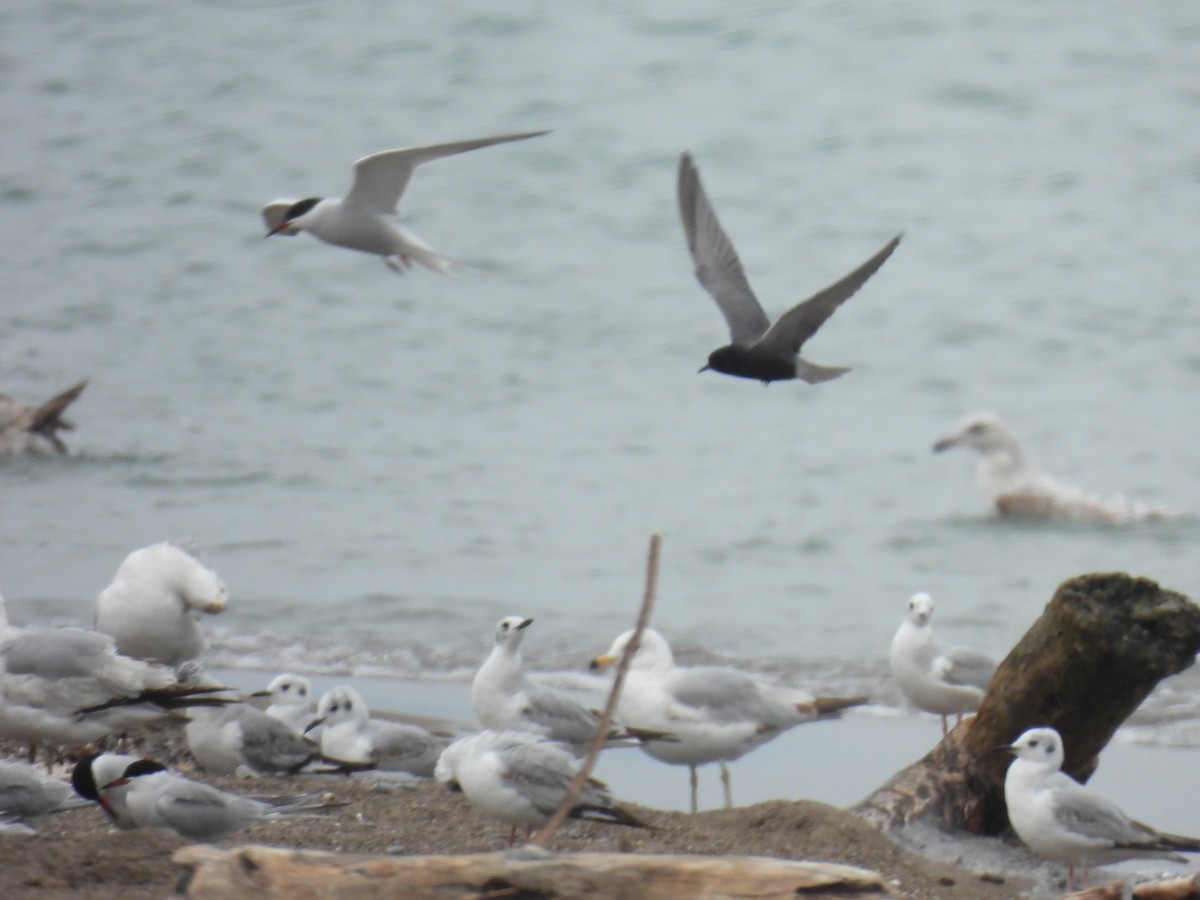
point(1099, 648)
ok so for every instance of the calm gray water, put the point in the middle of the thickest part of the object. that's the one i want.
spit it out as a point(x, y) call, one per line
point(381, 467)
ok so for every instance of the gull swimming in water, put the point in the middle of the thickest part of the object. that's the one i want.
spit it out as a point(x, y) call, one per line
point(29, 797)
point(34, 429)
point(291, 701)
point(150, 606)
point(711, 713)
point(757, 348)
point(362, 220)
point(521, 778)
point(937, 677)
point(350, 735)
point(146, 795)
point(505, 699)
point(1015, 488)
point(1066, 822)
point(62, 687)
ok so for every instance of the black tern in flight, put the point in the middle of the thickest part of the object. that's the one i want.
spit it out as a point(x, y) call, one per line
point(758, 349)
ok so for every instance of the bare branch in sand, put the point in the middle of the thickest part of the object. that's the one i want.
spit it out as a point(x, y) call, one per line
point(542, 838)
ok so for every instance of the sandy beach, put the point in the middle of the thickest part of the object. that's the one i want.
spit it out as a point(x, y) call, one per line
point(792, 796)
point(80, 855)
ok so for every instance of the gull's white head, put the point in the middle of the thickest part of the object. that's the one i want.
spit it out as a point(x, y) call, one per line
point(653, 652)
point(446, 770)
point(287, 690)
point(920, 609)
point(1041, 747)
point(179, 570)
point(510, 630)
point(984, 431)
point(341, 704)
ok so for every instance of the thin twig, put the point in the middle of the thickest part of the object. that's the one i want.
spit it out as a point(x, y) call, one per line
point(542, 838)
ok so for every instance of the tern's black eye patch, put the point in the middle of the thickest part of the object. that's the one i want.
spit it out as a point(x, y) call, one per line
point(143, 767)
point(300, 207)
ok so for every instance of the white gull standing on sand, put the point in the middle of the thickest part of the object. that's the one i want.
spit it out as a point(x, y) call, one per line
point(936, 677)
point(1015, 488)
point(349, 734)
point(505, 699)
point(521, 779)
point(239, 738)
point(149, 607)
point(362, 220)
point(34, 429)
point(28, 797)
point(710, 713)
point(291, 701)
point(61, 687)
point(1066, 822)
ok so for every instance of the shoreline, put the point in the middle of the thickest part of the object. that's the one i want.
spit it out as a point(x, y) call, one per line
point(835, 761)
point(790, 796)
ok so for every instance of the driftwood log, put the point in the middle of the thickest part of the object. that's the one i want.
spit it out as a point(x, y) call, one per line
point(1173, 889)
point(1099, 648)
point(267, 872)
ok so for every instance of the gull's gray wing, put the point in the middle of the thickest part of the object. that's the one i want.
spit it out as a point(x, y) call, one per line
point(270, 747)
point(55, 653)
point(380, 179)
point(539, 772)
point(801, 322)
point(726, 696)
point(718, 268)
point(963, 666)
point(1089, 815)
point(404, 748)
point(564, 718)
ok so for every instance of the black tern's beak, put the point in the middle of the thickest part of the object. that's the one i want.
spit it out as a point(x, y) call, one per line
point(705, 369)
point(943, 444)
point(523, 625)
point(313, 724)
point(261, 694)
